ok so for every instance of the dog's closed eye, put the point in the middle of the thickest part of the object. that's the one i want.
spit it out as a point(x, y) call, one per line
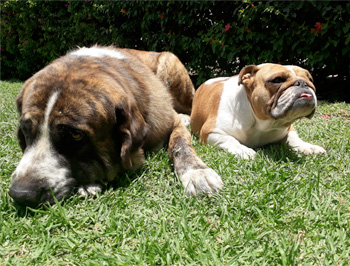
point(278, 80)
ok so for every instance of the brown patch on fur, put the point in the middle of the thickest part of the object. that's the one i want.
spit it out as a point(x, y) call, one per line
point(291, 128)
point(169, 69)
point(205, 109)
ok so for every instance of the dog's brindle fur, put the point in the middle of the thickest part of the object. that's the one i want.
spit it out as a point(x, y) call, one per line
point(83, 119)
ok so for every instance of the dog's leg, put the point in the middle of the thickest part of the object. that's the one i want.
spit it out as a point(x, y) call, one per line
point(232, 145)
point(196, 177)
point(299, 145)
point(175, 77)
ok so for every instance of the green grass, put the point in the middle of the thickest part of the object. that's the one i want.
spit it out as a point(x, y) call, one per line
point(282, 208)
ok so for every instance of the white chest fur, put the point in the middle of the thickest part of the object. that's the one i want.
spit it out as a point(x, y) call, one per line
point(237, 119)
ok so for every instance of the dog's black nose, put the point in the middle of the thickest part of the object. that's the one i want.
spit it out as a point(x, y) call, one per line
point(26, 195)
point(300, 83)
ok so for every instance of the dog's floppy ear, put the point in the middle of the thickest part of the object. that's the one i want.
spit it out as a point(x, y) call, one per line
point(245, 76)
point(19, 101)
point(20, 135)
point(131, 132)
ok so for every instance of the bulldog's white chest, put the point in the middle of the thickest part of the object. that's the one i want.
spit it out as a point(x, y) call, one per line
point(237, 119)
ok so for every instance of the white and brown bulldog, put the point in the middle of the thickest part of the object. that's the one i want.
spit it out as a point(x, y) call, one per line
point(93, 113)
point(255, 108)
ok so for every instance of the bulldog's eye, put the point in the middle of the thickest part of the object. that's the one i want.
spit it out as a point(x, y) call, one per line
point(278, 80)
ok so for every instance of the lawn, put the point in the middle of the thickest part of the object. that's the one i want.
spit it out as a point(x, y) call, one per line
point(282, 208)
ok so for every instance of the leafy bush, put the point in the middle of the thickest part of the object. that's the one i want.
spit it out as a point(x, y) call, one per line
point(211, 38)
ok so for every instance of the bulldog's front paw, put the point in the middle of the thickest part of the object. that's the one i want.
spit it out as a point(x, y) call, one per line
point(89, 190)
point(201, 181)
point(243, 152)
point(308, 148)
point(231, 145)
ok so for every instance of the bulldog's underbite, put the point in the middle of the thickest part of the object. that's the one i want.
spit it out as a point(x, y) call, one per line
point(93, 113)
point(255, 108)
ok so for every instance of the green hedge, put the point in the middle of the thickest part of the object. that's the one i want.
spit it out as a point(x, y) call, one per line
point(211, 38)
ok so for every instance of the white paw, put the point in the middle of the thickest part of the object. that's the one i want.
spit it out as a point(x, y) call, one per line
point(185, 119)
point(89, 190)
point(199, 181)
point(222, 140)
point(308, 148)
point(243, 152)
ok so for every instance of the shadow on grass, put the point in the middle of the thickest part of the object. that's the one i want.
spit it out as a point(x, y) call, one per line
point(125, 179)
point(281, 153)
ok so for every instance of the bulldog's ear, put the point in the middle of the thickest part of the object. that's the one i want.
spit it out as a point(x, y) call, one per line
point(246, 74)
point(131, 131)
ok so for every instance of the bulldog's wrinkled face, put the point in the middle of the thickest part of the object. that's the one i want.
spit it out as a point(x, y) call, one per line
point(279, 92)
point(71, 132)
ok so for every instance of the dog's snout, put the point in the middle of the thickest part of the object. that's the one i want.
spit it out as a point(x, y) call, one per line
point(300, 83)
point(26, 195)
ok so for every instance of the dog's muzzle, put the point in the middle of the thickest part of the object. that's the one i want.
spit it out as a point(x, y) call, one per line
point(39, 175)
point(299, 100)
point(34, 194)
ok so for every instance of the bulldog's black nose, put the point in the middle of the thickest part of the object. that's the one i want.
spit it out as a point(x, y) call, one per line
point(300, 83)
point(26, 195)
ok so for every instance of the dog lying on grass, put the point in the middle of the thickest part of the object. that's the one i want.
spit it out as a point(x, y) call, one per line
point(255, 108)
point(93, 113)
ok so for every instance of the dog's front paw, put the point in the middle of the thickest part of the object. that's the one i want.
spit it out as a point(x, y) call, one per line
point(185, 119)
point(201, 181)
point(89, 190)
point(308, 148)
point(243, 152)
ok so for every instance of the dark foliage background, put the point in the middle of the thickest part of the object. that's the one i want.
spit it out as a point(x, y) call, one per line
point(211, 37)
